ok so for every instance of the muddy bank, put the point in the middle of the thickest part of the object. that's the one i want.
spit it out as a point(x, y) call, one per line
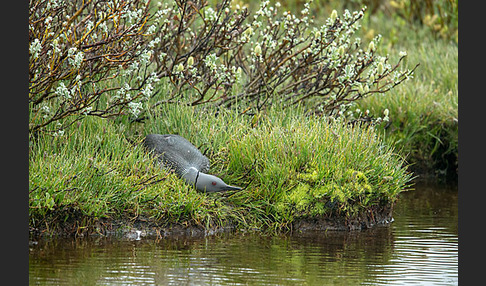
point(133, 228)
point(366, 219)
point(79, 226)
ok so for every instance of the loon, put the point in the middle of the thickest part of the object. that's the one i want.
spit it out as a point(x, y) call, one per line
point(178, 154)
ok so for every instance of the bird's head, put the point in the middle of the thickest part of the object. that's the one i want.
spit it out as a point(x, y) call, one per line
point(207, 183)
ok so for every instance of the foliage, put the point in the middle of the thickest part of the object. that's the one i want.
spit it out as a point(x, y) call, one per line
point(230, 56)
point(423, 115)
point(440, 17)
point(87, 58)
point(292, 164)
point(104, 58)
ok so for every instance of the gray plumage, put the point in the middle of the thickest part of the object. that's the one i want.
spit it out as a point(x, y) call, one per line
point(178, 154)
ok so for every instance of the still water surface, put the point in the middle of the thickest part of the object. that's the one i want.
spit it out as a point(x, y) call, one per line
point(419, 248)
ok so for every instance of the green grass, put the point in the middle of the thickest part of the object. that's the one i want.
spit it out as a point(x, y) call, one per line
point(293, 167)
point(95, 172)
point(423, 111)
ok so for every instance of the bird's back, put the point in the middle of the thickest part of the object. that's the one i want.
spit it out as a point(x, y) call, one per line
point(176, 152)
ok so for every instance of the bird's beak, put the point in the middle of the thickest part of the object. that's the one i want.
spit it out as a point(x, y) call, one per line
point(231, 188)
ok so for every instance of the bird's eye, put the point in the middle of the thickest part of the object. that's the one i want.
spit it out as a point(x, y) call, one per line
point(214, 183)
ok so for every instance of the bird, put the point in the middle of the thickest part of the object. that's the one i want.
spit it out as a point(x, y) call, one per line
point(178, 154)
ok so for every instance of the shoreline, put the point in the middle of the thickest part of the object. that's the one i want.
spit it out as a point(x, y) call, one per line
point(144, 227)
point(141, 227)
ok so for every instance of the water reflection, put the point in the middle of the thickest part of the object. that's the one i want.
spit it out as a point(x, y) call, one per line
point(426, 242)
point(419, 247)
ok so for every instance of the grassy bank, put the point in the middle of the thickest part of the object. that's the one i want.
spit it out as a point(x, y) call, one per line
point(292, 166)
point(423, 112)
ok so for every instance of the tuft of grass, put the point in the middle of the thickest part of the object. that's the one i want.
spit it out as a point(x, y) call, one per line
point(308, 167)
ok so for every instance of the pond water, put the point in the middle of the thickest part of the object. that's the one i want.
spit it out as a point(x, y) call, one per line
point(419, 247)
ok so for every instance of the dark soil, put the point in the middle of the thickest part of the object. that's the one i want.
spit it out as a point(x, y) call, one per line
point(79, 225)
point(365, 220)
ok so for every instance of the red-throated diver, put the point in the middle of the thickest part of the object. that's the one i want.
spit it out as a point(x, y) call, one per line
point(178, 154)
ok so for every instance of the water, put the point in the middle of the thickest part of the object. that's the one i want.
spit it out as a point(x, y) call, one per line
point(419, 248)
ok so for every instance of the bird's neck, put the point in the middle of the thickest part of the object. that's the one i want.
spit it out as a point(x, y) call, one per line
point(191, 176)
point(194, 177)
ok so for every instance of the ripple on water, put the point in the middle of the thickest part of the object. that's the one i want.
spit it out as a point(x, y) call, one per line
point(419, 248)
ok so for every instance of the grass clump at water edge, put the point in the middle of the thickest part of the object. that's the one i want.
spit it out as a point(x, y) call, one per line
point(292, 166)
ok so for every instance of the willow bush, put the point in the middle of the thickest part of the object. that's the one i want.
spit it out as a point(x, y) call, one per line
point(230, 56)
point(104, 58)
point(87, 58)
